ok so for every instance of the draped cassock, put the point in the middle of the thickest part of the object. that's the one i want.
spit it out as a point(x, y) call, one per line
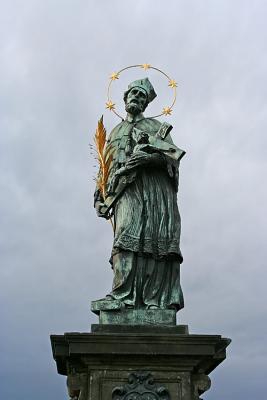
point(146, 254)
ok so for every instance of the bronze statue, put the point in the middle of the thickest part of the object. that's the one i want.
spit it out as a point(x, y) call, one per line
point(142, 197)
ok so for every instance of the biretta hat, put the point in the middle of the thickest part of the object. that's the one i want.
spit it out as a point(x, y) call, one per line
point(146, 85)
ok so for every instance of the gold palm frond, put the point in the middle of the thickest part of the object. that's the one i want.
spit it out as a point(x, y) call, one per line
point(104, 153)
point(104, 156)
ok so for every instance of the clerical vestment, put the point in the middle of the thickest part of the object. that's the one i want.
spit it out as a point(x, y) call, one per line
point(146, 252)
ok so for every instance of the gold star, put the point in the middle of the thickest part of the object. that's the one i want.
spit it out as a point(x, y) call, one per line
point(172, 83)
point(167, 111)
point(110, 105)
point(146, 66)
point(114, 76)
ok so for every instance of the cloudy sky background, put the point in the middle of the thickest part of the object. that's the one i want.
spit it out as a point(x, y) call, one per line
point(55, 59)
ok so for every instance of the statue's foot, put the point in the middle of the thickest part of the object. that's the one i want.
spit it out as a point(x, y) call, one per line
point(108, 297)
point(105, 304)
point(153, 307)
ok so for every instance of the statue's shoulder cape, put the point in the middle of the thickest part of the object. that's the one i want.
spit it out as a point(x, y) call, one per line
point(119, 137)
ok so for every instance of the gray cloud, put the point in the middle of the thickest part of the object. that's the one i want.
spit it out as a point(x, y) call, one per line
point(55, 61)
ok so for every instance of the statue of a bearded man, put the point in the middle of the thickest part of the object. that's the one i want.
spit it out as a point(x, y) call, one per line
point(142, 194)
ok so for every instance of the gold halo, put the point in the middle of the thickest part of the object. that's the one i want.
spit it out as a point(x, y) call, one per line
point(115, 75)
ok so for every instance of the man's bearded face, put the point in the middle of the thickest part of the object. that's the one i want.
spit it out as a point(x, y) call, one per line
point(136, 101)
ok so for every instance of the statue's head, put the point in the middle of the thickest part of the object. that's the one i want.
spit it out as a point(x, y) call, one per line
point(139, 94)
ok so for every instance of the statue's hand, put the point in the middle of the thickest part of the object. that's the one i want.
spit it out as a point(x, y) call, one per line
point(138, 159)
point(101, 210)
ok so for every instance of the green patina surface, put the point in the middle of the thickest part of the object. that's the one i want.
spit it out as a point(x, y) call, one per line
point(142, 189)
point(138, 317)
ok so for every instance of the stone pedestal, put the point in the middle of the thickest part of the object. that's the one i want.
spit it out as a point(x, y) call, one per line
point(120, 362)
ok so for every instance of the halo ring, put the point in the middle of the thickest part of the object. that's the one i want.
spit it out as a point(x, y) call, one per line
point(115, 75)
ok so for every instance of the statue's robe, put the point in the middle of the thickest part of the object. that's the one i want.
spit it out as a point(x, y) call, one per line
point(146, 252)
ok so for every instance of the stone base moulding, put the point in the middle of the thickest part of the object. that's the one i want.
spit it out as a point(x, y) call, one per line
point(120, 365)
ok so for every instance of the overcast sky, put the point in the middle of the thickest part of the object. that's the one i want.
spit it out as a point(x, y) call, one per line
point(55, 60)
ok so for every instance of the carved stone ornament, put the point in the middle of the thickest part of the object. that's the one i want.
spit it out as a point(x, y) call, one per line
point(76, 384)
point(201, 383)
point(140, 386)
